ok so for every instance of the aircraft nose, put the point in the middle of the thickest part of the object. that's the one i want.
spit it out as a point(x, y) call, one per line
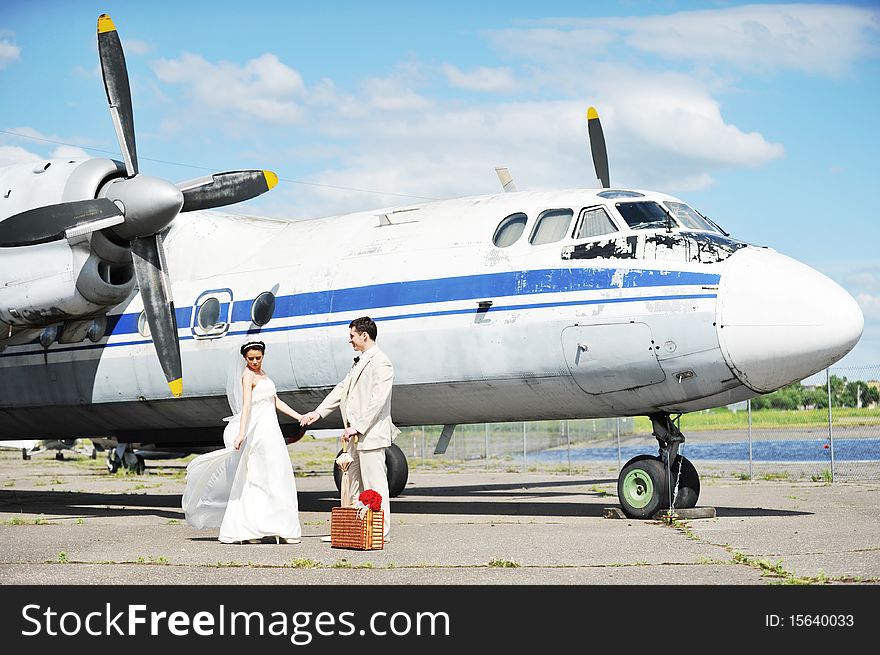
point(780, 321)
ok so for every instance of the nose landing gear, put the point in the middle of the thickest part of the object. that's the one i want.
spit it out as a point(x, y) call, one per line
point(647, 484)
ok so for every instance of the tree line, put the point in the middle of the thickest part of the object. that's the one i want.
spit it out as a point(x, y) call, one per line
point(798, 396)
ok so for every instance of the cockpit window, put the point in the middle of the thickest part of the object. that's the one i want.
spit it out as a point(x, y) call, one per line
point(509, 230)
point(688, 217)
point(551, 226)
point(645, 215)
point(594, 222)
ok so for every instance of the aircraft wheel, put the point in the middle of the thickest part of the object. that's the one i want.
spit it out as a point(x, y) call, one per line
point(396, 467)
point(94, 454)
point(140, 465)
point(688, 483)
point(112, 462)
point(641, 487)
point(59, 456)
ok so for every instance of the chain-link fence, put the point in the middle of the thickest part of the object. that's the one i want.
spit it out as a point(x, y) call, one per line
point(764, 441)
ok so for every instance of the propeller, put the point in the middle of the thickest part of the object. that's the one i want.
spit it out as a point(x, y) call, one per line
point(224, 188)
point(136, 208)
point(54, 222)
point(597, 147)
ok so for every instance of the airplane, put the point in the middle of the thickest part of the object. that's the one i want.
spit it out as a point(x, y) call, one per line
point(514, 306)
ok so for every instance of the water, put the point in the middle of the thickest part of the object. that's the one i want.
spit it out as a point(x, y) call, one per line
point(784, 450)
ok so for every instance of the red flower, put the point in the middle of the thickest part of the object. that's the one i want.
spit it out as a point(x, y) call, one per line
point(371, 499)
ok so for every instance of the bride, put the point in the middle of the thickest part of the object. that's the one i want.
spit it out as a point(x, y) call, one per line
point(247, 488)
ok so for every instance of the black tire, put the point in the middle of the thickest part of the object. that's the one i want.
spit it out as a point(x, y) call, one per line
point(688, 483)
point(641, 487)
point(140, 466)
point(396, 467)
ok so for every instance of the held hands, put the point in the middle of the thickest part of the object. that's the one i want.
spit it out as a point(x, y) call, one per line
point(308, 419)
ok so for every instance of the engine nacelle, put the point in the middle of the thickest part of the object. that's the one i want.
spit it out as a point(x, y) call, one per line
point(63, 284)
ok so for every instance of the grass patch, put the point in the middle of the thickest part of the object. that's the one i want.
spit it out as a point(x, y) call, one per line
point(304, 563)
point(724, 419)
point(503, 564)
point(776, 475)
point(63, 558)
point(825, 477)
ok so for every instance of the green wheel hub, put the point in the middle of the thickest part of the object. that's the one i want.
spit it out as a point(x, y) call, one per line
point(638, 488)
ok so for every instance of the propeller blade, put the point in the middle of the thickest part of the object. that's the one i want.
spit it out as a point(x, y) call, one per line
point(118, 90)
point(225, 189)
point(148, 257)
point(597, 147)
point(54, 222)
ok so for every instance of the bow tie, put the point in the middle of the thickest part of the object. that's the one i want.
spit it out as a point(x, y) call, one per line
point(356, 360)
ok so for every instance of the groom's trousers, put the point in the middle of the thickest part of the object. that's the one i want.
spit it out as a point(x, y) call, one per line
point(367, 471)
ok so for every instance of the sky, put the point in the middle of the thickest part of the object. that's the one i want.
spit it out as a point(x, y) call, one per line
point(762, 116)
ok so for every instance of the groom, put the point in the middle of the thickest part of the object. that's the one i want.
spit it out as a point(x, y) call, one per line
point(364, 399)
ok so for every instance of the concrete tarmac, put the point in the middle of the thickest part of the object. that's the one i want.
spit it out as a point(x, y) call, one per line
point(71, 522)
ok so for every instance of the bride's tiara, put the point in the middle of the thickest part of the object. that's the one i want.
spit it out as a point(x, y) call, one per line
point(253, 345)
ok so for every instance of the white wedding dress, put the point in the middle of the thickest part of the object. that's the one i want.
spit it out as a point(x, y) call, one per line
point(248, 493)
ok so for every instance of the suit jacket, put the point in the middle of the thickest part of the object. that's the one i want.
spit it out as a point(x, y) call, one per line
point(364, 399)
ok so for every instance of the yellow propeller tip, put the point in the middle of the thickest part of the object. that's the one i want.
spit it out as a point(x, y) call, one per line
point(176, 387)
point(105, 24)
point(592, 113)
point(271, 178)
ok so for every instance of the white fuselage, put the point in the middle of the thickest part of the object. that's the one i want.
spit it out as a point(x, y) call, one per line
point(477, 333)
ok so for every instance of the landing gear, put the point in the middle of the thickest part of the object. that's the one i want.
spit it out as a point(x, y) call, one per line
point(647, 485)
point(122, 455)
point(396, 469)
point(641, 487)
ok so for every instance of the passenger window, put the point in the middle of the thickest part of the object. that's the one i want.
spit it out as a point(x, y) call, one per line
point(595, 222)
point(263, 308)
point(509, 230)
point(551, 226)
point(211, 314)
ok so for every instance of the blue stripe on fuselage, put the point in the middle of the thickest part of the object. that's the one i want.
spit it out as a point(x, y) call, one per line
point(466, 287)
point(425, 292)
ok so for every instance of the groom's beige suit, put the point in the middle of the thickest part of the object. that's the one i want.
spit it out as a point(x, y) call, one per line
point(364, 399)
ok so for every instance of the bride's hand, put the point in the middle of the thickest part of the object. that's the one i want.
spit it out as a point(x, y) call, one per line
point(238, 441)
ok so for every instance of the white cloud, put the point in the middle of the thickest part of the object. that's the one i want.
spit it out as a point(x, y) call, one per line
point(16, 155)
point(53, 149)
point(136, 47)
point(824, 39)
point(392, 94)
point(666, 131)
point(870, 305)
point(69, 152)
point(491, 80)
point(263, 88)
point(396, 92)
point(8, 53)
point(865, 280)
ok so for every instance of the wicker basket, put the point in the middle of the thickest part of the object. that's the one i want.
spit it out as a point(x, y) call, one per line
point(349, 531)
